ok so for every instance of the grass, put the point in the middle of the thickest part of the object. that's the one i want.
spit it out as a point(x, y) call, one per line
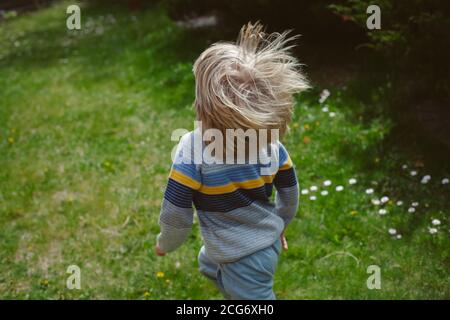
point(85, 124)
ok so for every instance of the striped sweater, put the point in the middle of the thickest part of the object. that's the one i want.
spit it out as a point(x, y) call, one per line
point(233, 202)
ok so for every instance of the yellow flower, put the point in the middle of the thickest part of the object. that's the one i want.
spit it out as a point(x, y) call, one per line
point(160, 274)
point(146, 294)
point(377, 160)
point(10, 140)
point(44, 282)
point(306, 126)
point(295, 125)
point(353, 212)
point(306, 139)
point(168, 281)
point(317, 123)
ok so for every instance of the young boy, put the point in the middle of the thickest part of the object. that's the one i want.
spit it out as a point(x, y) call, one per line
point(250, 86)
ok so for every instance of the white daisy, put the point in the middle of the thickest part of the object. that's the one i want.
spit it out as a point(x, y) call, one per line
point(415, 204)
point(432, 230)
point(399, 236)
point(324, 192)
point(382, 212)
point(312, 198)
point(411, 210)
point(392, 231)
point(399, 203)
point(384, 199)
point(325, 109)
point(327, 183)
point(332, 114)
point(376, 202)
point(369, 191)
point(352, 181)
point(305, 191)
point(313, 188)
point(445, 181)
point(436, 222)
point(413, 173)
point(324, 95)
point(339, 188)
point(405, 166)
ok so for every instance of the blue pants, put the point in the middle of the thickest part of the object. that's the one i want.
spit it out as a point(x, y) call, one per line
point(250, 278)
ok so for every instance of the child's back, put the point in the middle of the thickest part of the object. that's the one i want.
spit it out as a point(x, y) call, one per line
point(247, 86)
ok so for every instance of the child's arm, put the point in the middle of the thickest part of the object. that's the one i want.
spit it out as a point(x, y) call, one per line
point(285, 182)
point(176, 215)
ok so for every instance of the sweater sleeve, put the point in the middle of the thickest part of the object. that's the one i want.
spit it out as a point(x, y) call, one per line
point(176, 216)
point(285, 182)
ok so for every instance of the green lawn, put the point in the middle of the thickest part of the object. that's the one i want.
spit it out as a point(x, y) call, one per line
point(85, 124)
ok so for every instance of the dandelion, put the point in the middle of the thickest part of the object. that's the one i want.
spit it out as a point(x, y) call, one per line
point(436, 222)
point(339, 188)
point(392, 231)
point(313, 188)
point(376, 202)
point(415, 204)
point(352, 181)
point(160, 274)
point(44, 282)
point(327, 183)
point(324, 95)
point(324, 193)
point(432, 230)
point(413, 173)
point(312, 198)
point(353, 212)
point(325, 109)
point(384, 199)
point(305, 191)
point(382, 212)
point(399, 203)
point(445, 181)
point(10, 140)
point(369, 191)
point(146, 294)
point(411, 209)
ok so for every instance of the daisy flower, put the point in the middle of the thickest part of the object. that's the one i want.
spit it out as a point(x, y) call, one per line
point(313, 188)
point(369, 191)
point(436, 222)
point(339, 188)
point(327, 183)
point(384, 199)
point(305, 191)
point(312, 198)
point(324, 192)
point(382, 212)
point(432, 230)
point(411, 210)
point(392, 231)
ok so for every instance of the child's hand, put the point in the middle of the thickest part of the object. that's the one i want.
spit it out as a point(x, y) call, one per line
point(284, 243)
point(158, 251)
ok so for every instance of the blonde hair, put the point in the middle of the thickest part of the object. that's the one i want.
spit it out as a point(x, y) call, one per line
point(248, 84)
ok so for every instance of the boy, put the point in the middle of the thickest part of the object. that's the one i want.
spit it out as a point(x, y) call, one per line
point(250, 86)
